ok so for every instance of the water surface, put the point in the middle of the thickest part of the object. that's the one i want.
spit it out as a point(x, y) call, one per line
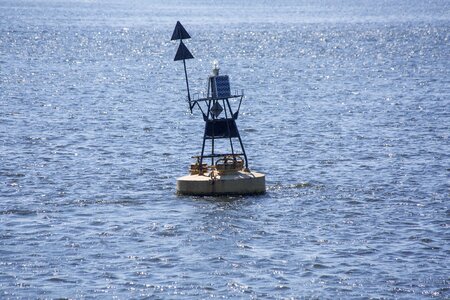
point(346, 112)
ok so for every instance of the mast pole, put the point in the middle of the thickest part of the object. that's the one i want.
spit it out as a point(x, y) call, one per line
point(187, 84)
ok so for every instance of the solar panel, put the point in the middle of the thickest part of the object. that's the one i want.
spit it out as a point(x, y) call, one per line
point(221, 86)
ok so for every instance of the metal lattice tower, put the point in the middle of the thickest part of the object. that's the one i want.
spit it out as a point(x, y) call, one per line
point(218, 115)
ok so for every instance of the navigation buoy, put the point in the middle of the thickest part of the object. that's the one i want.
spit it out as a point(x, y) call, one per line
point(228, 172)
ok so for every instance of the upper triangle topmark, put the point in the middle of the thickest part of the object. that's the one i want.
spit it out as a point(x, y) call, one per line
point(179, 32)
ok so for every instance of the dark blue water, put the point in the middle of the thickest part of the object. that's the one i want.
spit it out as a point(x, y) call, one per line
point(347, 112)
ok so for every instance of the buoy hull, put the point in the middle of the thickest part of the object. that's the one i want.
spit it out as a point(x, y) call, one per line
point(237, 183)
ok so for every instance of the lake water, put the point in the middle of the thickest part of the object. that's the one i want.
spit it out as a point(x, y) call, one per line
point(347, 112)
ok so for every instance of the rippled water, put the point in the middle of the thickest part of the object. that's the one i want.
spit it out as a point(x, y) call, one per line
point(346, 111)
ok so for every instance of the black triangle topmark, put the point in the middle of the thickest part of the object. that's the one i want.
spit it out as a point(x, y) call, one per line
point(179, 32)
point(183, 52)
